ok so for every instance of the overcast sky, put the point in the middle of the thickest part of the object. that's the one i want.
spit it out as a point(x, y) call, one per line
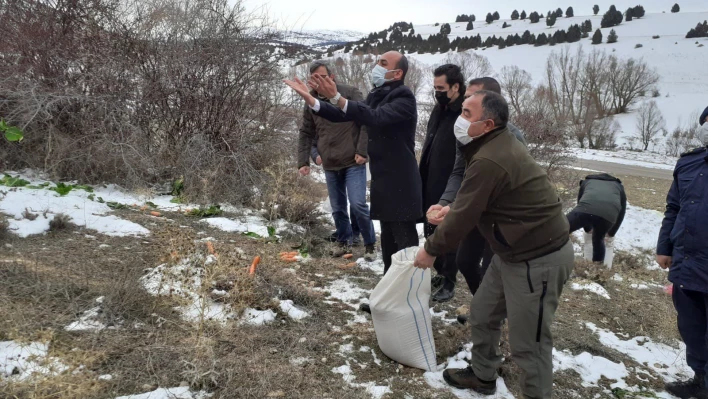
point(375, 15)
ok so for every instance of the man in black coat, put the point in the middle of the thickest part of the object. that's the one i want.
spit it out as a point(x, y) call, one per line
point(438, 160)
point(391, 116)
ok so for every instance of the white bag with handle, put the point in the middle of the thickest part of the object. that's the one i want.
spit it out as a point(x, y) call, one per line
point(400, 309)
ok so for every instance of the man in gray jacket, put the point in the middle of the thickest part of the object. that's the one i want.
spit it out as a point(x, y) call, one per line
point(474, 248)
point(602, 204)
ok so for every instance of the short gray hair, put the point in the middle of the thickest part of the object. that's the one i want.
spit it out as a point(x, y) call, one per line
point(494, 107)
point(317, 64)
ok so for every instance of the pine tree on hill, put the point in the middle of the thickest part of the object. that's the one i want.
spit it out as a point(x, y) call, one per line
point(612, 37)
point(496, 16)
point(541, 40)
point(445, 29)
point(638, 12)
point(505, 25)
point(611, 18)
point(490, 18)
point(597, 37)
point(551, 20)
point(523, 15)
point(515, 15)
point(628, 14)
point(675, 8)
point(559, 13)
point(473, 18)
point(569, 12)
point(470, 26)
point(595, 9)
point(534, 17)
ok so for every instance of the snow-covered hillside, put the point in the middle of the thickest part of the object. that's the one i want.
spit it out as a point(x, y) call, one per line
point(680, 62)
point(320, 40)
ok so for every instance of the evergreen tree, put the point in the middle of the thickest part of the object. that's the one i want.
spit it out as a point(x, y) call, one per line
point(597, 37)
point(470, 25)
point(675, 8)
point(526, 38)
point(532, 39)
point(523, 15)
point(505, 25)
point(551, 20)
point(628, 14)
point(638, 12)
point(541, 40)
point(534, 17)
point(595, 9)
point(552, 42)
point(473, 18)
point(559, 13)
point(496, 16)
point(587, 26)
point(445, 29)
point(611, 18)
point(574, 34)
point(541, 16)
point(502, 45)
point(569, 12)
point(515, 15)
point(490, 18)
point(612, 37)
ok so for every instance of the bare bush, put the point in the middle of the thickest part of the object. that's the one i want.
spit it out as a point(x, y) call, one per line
point(473, 65)
point(60, 222)
point(142, 92)
point(424, 111)
point(516, 84)
point(649, 123)
point(684, 137)
point(629, 78)
point(419, 76)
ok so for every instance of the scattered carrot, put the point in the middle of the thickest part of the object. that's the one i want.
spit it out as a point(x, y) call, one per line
point(156, 213)
point(252, 269)
point(347, 266)
point(283, 253)
point(210, 248)
point(293, 253)
point(290, 260)
point(348, 256)
point(143, 208)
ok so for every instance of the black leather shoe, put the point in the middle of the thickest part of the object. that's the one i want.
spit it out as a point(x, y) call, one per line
point(364, 307)
point(446, 293)
point(693, 388)
point(465, 379)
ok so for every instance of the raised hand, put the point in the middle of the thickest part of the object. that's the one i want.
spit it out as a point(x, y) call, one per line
point(324, 86)
point(301, 89)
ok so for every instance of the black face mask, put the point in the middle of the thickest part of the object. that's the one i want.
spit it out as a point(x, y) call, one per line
point(442, 98)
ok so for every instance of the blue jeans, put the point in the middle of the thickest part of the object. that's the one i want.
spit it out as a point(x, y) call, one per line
point(351, 183)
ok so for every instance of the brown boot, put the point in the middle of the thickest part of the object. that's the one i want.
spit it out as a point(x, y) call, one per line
point(465, 379)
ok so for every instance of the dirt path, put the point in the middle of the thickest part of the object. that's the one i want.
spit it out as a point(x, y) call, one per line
point(627, 170)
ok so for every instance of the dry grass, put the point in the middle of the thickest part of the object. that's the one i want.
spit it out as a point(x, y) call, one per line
point(646, 192)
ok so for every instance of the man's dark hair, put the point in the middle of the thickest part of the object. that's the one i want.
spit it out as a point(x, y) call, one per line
point(487, 83)
point(403, 66)
point(494, 107)
point(317, 64)
point(453, 74)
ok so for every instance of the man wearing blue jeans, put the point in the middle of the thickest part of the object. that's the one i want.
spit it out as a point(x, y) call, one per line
point(343, 149)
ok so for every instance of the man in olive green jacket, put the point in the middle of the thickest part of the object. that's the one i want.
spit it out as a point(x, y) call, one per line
point(509, 197)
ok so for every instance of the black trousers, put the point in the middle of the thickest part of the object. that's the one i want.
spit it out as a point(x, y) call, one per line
point(472, 250)
point(692, 309)
point(445, 265)
point(599, 226)
point(396, 236)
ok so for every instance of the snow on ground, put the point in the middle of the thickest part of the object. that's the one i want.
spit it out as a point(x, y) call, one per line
point(77, 204)
point(347, 292)
point(255, 317)
point(624, 157)
point(170, 393)
point(295, 313)
point(591, 287)
point(376, 391)
point(89, 320)
point(252, 224)
point(21, 361)
point(184, 281)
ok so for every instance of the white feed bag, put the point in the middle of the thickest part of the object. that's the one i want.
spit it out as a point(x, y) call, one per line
point(400, 309)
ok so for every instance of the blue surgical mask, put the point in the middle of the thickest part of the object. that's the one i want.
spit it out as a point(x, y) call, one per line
point(378, 76)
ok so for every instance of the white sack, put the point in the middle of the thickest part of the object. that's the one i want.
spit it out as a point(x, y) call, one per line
point(400, 309)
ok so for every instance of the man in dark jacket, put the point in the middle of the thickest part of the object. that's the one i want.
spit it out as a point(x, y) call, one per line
point(683, 249)
point(509, 197)
point(602, 204)
point(704, 117)
point(343, 149)
point(438, 159)
point(390, 115)
point(474, 253)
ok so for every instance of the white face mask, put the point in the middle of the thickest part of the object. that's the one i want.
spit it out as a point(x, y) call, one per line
point(462, 126)
point(378, 76)
point(703, 133)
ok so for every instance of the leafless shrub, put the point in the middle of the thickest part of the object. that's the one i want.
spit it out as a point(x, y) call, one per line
point(4, 228)
point(683, 138)
point(629, 78)
point(60, 222)
point(649, 123)
point(291, 197)
point(424, 111)
point(140, 92)
point(473, 65)
point(516, 84)
point(29, 215)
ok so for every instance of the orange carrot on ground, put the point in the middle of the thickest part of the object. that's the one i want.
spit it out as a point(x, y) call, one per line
point(347, 266)
point(293, 253)
point(252, 269)
point(156, 213)
point(283, 253)
point(348, 256)
point(210, 248)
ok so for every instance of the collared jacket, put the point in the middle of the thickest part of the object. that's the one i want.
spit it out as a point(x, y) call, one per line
point(603, 195)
